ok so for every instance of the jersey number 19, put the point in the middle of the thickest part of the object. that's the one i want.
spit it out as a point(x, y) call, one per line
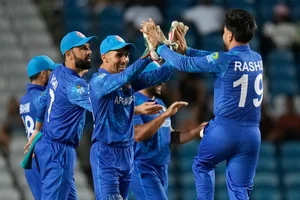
point(243, 81)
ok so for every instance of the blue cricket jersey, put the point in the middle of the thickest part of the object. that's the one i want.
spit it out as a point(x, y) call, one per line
point(238, 79)
point(28, 107)
point(67, 100)
point(112, 97)
point(154, 150)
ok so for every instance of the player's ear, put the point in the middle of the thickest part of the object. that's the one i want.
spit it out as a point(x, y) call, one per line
point(69, 55)
point(104, 58)
point(43, 73)
point(230, 36)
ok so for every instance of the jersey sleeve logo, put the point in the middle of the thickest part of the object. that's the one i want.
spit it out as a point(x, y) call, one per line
point(212, 57)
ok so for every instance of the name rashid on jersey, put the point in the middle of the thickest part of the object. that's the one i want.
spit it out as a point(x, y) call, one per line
point(248, 66)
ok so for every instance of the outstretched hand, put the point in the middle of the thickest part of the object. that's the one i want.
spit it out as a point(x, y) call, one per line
point(173, 109)
point(177, 36)
point(27, 146)
point(151, 33)
point(148, 108)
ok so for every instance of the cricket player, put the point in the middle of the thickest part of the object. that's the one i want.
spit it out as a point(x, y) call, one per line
point(153, 135)
point(38, 70)
point(112, 95)
point(233, 134)
point(67, 101)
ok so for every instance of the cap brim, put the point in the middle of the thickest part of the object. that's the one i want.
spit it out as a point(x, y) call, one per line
point(85, 40)
point(120, 46)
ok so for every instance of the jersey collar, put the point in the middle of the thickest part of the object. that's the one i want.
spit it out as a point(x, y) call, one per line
point(31, 86)
point(101, 70)
point(68, 70)
point(241, 48)
point(143, 97)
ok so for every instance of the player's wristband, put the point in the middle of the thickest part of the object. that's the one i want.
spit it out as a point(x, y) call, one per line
point(201, 133)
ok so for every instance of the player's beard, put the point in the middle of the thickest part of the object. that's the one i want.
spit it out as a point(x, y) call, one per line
point(82, 64)
point(153, 91)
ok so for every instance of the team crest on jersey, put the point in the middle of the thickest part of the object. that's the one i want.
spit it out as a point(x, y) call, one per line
point(213, 56)
point(120, 39)
point(80, 34)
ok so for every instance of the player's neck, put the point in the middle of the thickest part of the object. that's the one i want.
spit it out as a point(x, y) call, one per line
point(72, 66)
point(38, 82)
point(107, 68)
point(147, 93)
point(236, 44)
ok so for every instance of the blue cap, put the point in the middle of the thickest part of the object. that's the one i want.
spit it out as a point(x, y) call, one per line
point(73, 39)
point(38, 64)
point(151, 66)
point(113, 42)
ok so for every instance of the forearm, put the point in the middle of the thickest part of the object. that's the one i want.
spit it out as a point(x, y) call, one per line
point(183, 63)
point(38, 126)
point(137, 110)
point(145, 131)
point(195, 52)
point(133, 70)
point(149, 79)
point(180, 137)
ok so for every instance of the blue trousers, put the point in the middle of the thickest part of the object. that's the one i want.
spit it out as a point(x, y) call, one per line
point(56, 162)
point(33, 178)
point(149, 181)
point(112, 167)
point(234, 142)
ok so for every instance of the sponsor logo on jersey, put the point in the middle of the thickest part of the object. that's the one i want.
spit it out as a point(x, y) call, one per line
point(80, 89)
point(24, 108)
point(102, 75)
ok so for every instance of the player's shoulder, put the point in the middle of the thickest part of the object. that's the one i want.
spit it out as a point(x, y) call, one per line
point(217, 56)
point(98, 77)
point(79, 81)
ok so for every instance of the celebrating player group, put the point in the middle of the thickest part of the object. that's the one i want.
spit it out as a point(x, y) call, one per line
point(132, 126)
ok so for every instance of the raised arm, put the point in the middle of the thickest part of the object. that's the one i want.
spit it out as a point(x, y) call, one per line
point(105, 83)
point(196, 52)
point(151, 78)
point(213, 63)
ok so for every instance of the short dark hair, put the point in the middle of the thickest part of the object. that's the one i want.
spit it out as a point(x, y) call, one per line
point(242, 25)
point(34, 77)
